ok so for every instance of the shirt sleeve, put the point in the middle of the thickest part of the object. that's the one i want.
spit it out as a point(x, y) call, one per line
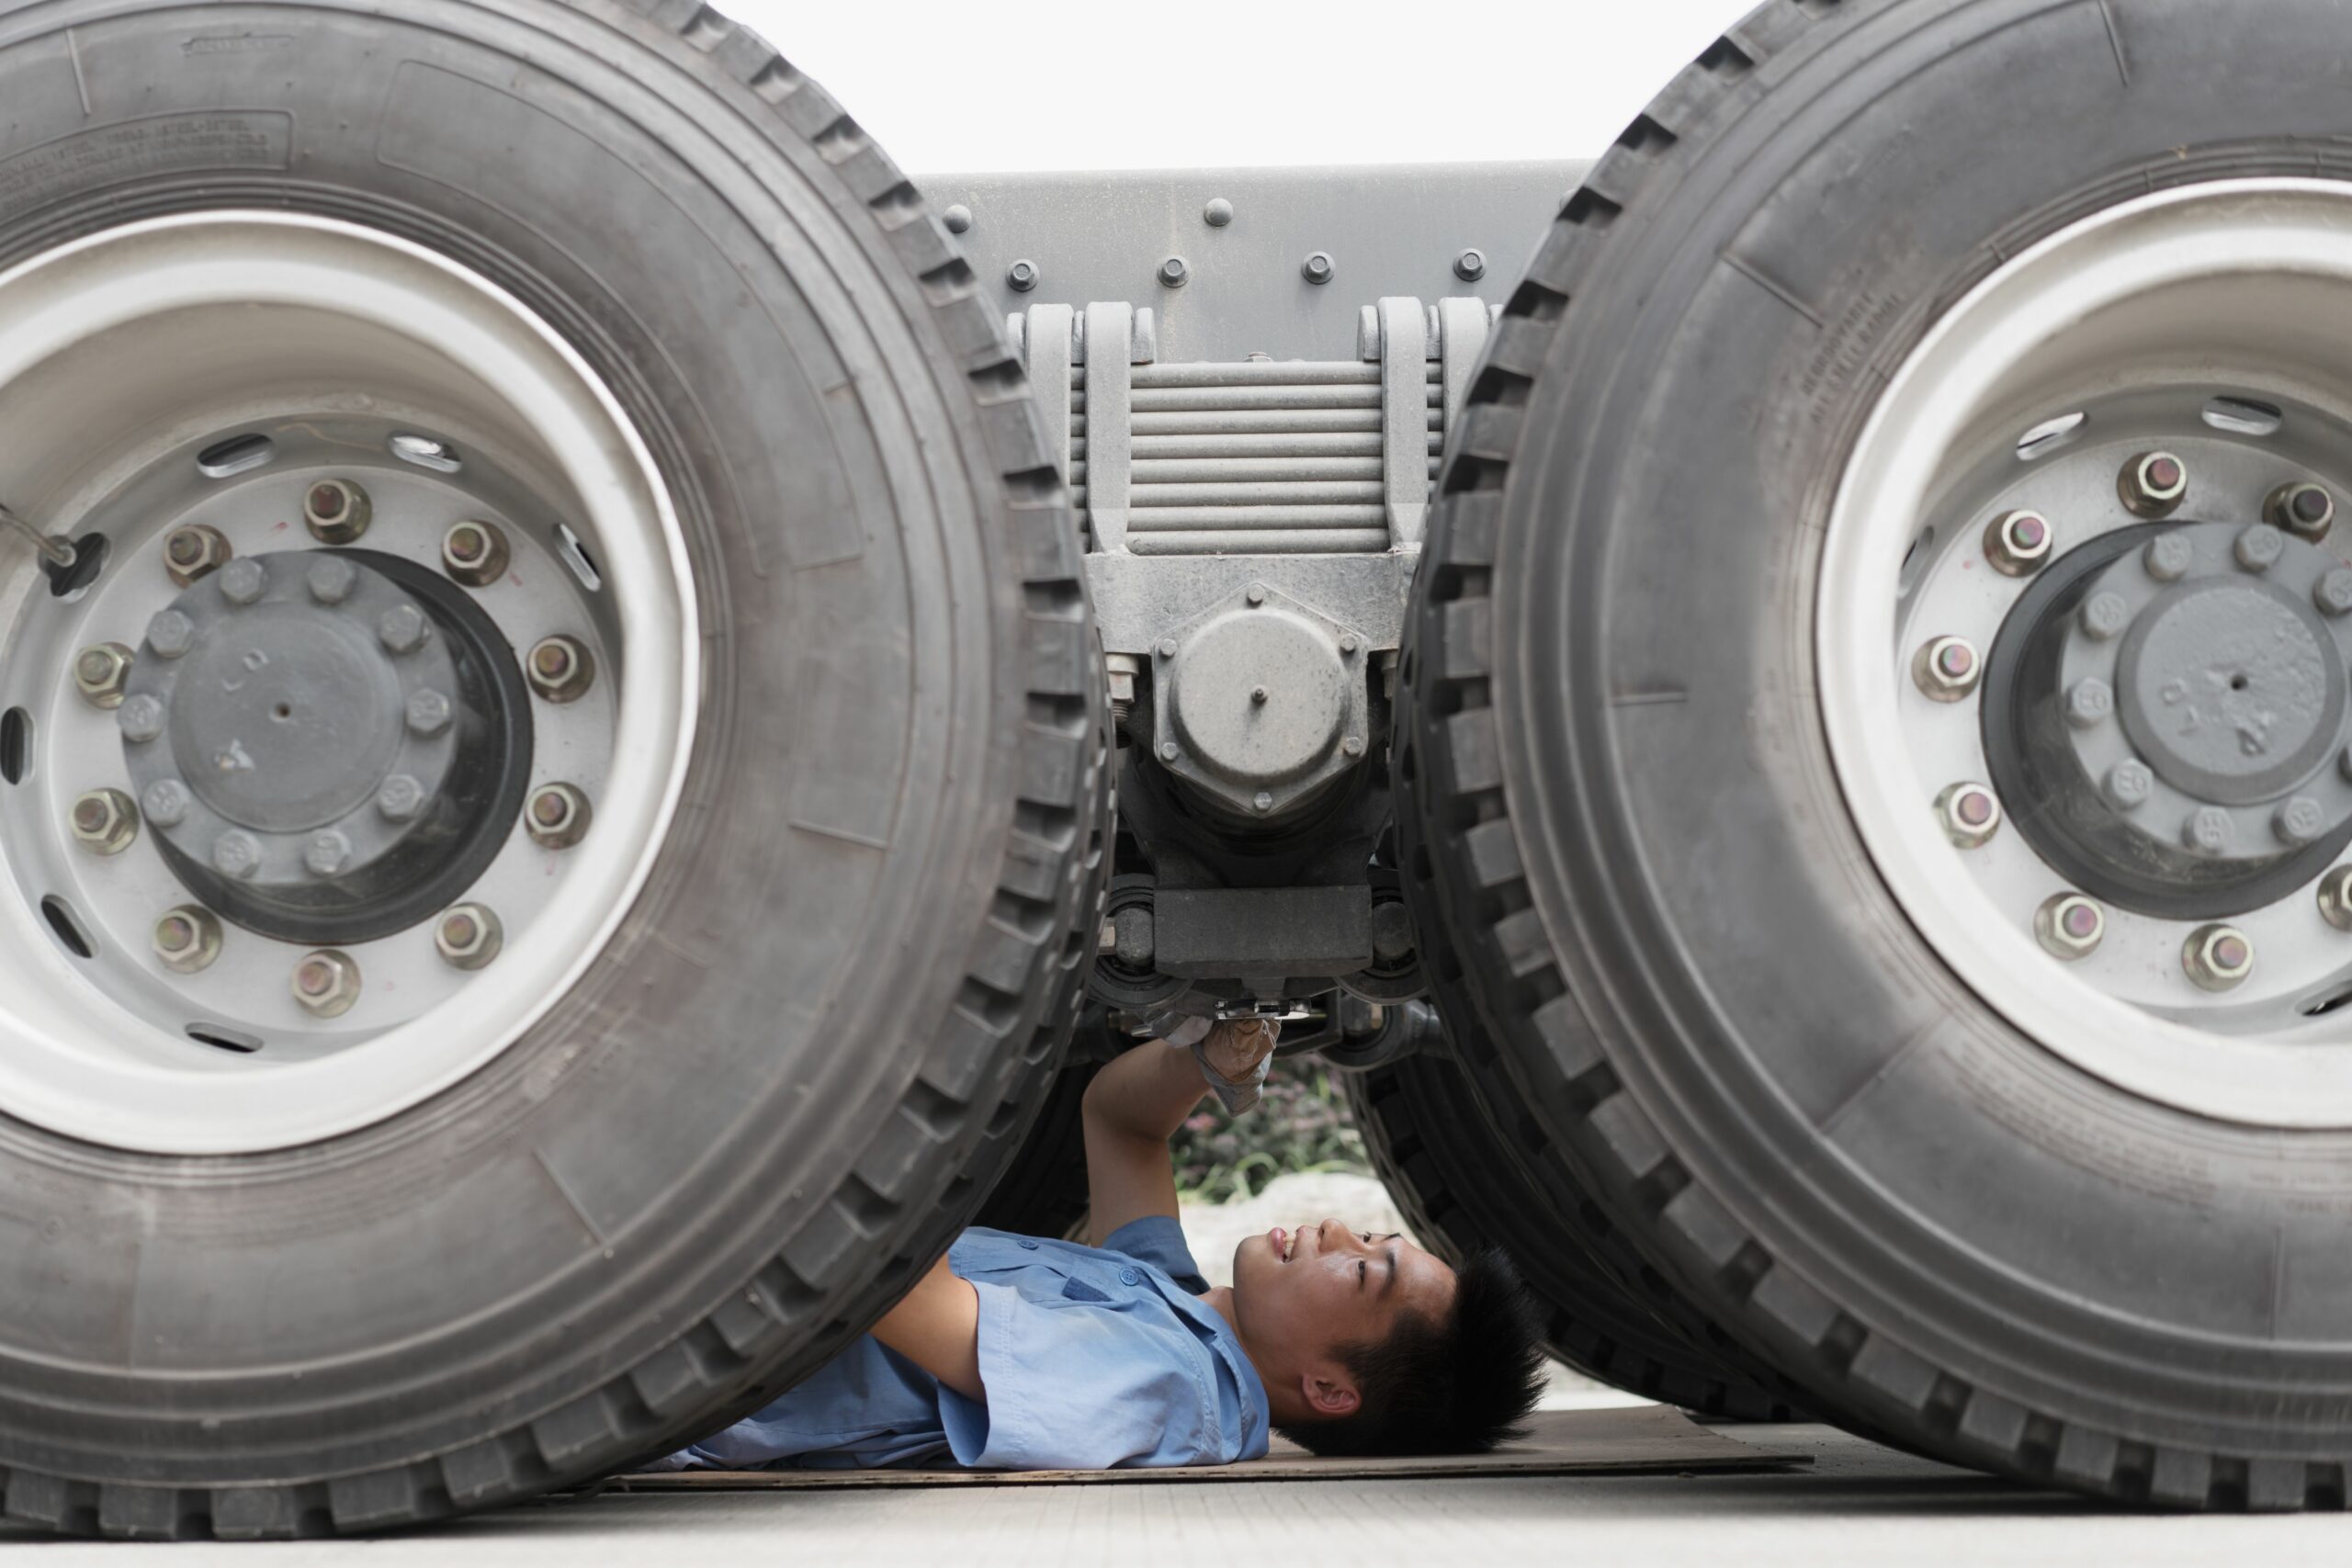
point(1159, 1241)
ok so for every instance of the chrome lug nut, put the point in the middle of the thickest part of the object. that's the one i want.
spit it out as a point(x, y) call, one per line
point(2090, 704)
point(1947, 669)
point(2168, 557)
point(2018, 544)
point(2259, 547)
point(2217, 957)
point(336, 511)
point(2152, 485)
point(1970, 815)
point(193, 552)
point(468, 937)
point(187, 938)
point(104, 821)
point(2208, 830)
point(556, 817)
point(2299, 821)
point(560, 670)
point(402, 628)
point(326, 853)
point(2128, 784)
point(475, 554)
point(2304, 510)
point(100, 672)
point(2106, 616)
point(236, 853)
point(166, 803)
point(2336, 897)
point(2069, 925)
point(242, 581)
point(326, 984)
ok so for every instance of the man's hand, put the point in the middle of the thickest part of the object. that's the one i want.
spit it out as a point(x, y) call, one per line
point(1237, 1045)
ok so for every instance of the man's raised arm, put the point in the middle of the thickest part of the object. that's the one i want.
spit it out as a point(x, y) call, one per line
point(1133, 1107)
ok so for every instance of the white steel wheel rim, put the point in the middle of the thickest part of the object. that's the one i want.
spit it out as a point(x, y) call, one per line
point(121, 349)
point(2238, 283)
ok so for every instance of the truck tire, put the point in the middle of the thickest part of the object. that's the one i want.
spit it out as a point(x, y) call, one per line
point(1804, 1045)
point(617, 276)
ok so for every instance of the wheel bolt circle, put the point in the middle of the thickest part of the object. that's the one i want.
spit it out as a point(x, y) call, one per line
point(468, 937)
point(1947, 669)
point(187, 938)
point(1971, 814)
point(2154, 484)
point(2069, 925)
point(326, 983)
point(2217, 957)
point(2018, 544)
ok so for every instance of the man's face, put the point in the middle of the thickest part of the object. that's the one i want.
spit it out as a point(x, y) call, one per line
point(1299, 1295)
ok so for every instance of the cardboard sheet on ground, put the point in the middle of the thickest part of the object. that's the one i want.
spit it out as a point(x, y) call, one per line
point(1559, 1442)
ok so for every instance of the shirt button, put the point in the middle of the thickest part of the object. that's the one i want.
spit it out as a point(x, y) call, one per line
point(1129, 1277)
point(1028, 1246)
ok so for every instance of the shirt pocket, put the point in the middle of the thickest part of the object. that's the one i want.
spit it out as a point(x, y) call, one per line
point(1076, 1289)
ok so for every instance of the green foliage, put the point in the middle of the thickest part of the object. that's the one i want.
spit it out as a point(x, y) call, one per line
point(1301, 1123)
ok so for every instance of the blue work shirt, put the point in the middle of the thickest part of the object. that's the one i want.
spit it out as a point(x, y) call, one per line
point(1093, 1358)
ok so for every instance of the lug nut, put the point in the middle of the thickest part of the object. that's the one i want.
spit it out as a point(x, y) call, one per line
point(400, 798)
point(2336, 897)
point(326, 984)
point(242, 581)
point(1947, 670)
point(560, 670)
point(2128, 784)
point(2152, 485)
point(187, 938)
point(2304, 510)
point(468, 937)
point(326, 853)
point(2208, 830)
point(338, 511)
point(236, 853)
point(1317, 268)
point(1020, 276)
point(2069, 925)
point(2217, 957)
point(192, 552)
point(2017, 544)
point(99, 673)
point(475, 554)
point(166, 802)
point(171, 634)
point(1173, 273)
point(429, 712)
point(556, 817)
point(2168, 557)
point(104, 821)
point(402, 628)
point(2106, 616)
point(2090, 704)
point(1970, 815)
point(1470, 266)
point(2259, 547)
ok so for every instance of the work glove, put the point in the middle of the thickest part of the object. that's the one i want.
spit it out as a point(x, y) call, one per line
point(1234, 1055)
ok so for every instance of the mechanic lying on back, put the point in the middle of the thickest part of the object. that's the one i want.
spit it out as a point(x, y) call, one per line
point(1028, 1353)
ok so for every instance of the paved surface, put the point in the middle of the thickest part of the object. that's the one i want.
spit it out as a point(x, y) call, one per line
point(1859, 1505)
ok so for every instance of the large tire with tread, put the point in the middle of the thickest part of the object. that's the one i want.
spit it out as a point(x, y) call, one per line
point(1702, 992)
point(853, 963)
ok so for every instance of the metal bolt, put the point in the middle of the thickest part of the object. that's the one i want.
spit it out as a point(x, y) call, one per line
point(2259, 547)
point(1169, 750)
point(104, 821)
point(2168, 557)
point(1257, 593)
point(242, 581)
point(2299, 821)
point(2336, 897)
point(560, 670)
point(1947, 669)
point(1173, 273)
point(326, 984)
point(1970, 815)
point(475, 553)
point(332, 579)
point(1317, 268)
point(2333, 593)
point(1217, 213)
point(326, 853)
point(958, 218)
point(2105, 616)
point(2217, 957)
point(99, 673)
point(166, 803)
point(556, 817)
point(1167, 648)
point(192, 551)
point(1352, 745)
point(171, 634)
point(1470, 267)
point(429, 712)
point(400, 798)
point(140, 719)
point(1022, 276)
point(236, 853)
point(2090, 704)
point(2017, 544)
point(1258, 695)
point(2128, 784)
point(187, 938)
point(1263, 801)
point(2152, 485)
point(2304, 510)
point(1106, 940)
point(338, 511)
point(468, 937)
point(402, 628)
point(1349, 643)
point(2069, 925)
point(2208, 830)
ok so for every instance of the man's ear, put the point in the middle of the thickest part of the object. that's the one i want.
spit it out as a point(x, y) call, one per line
point(1329, 1397)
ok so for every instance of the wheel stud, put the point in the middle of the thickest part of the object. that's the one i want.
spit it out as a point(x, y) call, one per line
point(2069, 925)
point(468, 937)
point(1970, 815)
point(192, 552)
point(2208, 832)
point(187, 938)
point(2019, 543)
point(326, 984)
point(2217, 957)
point(556, 817)
point(2168, 557)
point(475, 554)
point(2154, 484)
point(104, 821)
point(2304, 510)
point(1947, 669)
point(560, 670)
point(100, 672)
point(336, 511)
point(2259, 547)
point(2336, 897)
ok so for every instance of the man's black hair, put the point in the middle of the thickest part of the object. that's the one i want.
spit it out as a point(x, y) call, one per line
point(1457, 1385)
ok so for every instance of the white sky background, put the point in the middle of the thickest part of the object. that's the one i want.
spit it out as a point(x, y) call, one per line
point(1217, 84)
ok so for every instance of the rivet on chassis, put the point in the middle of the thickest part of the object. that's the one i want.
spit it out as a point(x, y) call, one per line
point(336, 511)
point(2019, 543)
point(2259, 547)
point(326, 983)
point(1947, 669)
point(468, 937)
point(100, 672)
point(2069, 925)
point(2152, 485)
point(187, 940)
point(556, 817)
point(104, 821)
point(1970, 815)
point(192, 552)
point(475, 554)
point(2304, 510)
point(560, 670)
point(2336, 897)
point(2217, 957)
